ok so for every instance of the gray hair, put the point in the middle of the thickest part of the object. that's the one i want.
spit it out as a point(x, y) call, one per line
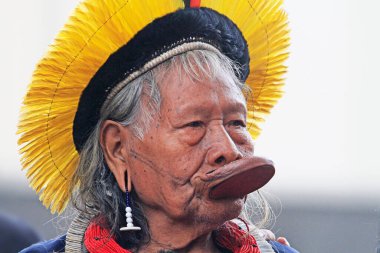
point(95, 189)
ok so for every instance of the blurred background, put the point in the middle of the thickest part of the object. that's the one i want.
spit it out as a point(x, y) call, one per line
point(323, 135)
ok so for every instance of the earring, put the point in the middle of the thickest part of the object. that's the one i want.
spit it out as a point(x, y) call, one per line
point(128, 214)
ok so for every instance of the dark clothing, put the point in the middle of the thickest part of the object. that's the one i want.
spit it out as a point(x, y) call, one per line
point(53, 245)
point(15, 234)
point(280, 248)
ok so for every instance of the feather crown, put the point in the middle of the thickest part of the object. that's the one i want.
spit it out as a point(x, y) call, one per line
point(63, 100)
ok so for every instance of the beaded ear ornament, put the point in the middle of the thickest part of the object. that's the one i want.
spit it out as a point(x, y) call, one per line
point(128, 214)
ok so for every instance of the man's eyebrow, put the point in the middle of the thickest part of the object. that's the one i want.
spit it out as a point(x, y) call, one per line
point(198, 109)
point(236, 108)
point(203, 109)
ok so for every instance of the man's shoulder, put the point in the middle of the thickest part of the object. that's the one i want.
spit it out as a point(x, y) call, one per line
point(58, 245)
point(280, 248)
point(54, 245)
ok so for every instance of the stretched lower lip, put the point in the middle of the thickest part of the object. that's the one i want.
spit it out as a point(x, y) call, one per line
point(237, 179)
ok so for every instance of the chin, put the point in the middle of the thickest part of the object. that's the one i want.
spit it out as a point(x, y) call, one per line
point(215, 213)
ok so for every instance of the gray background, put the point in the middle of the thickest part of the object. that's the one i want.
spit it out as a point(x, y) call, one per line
point(323, 135)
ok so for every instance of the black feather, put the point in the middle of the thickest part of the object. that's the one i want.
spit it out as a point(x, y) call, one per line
point(187, 3)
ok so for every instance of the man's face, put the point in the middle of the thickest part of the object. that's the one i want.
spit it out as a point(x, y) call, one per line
point(201, 127)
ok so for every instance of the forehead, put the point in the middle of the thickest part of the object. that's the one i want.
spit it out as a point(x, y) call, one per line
point(183, 92)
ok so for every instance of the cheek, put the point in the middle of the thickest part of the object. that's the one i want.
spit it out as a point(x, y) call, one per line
point(243, 140)
point(192, 136)
point(165, 193)
point(164, 182)
point(181, 168)
point(146, 183)
point(183, 153)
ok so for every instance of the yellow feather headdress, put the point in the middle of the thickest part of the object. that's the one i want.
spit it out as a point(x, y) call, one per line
point(97, 29)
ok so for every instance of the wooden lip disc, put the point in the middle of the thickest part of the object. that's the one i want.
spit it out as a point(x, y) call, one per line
point(243, 183)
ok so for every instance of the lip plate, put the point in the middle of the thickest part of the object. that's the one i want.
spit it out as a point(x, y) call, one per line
point(241, 184)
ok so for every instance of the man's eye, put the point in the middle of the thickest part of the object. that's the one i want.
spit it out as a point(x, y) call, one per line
point(194, 124)
point(237, 123)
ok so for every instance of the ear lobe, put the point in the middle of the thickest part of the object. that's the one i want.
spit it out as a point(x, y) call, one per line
point(113, 138)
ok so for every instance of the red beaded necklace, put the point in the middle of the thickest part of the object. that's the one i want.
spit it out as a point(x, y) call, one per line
point(229, 236)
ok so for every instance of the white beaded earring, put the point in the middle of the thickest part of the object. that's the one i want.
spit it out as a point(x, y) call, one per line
point(128, 215)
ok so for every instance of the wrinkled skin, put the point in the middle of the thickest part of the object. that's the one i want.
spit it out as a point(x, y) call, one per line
point(200, 128)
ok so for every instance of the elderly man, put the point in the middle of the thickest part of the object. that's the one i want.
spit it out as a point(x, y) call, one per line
point(156, 99)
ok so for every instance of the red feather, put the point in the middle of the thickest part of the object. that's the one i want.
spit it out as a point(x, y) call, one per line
point(195, 3)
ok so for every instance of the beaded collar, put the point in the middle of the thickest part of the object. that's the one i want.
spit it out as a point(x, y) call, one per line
point(229, 236)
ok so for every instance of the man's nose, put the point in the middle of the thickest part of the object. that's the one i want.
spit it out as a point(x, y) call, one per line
point(222, 149)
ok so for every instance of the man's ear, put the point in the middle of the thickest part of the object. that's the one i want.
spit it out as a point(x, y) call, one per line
point(113, 140)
